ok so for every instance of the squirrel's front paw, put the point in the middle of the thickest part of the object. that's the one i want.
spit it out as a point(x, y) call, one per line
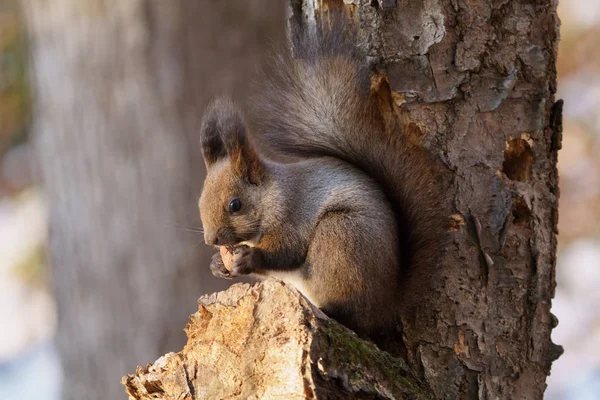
point(217, 267)
point(245, 261)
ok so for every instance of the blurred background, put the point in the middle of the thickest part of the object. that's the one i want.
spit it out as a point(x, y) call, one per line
point(174, 56)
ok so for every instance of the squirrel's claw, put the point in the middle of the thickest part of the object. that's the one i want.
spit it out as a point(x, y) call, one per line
point(244, 261)
point(217, 267)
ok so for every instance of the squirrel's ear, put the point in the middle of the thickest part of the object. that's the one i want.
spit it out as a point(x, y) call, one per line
point(244, 159)
point(230, 138)
point(213, 148)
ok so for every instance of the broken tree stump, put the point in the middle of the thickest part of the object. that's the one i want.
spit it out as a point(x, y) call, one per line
point(268, 341)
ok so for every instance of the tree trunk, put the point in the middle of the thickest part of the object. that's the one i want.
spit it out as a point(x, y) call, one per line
point(479, 79)
point(119, 89)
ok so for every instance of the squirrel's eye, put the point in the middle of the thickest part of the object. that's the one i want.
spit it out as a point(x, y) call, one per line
point(235, 205)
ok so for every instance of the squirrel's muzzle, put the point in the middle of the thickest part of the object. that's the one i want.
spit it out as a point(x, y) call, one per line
point(222, 238)
point(211, 239)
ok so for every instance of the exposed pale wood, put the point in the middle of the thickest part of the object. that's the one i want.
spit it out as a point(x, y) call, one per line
point(267, 341)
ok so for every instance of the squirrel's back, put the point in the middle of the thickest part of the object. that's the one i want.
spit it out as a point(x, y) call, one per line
point(318, 102)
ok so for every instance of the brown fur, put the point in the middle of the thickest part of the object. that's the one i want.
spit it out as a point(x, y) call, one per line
point(354, 218)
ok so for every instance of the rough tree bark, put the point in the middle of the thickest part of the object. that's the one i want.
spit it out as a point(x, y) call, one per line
point(479, 79)
point(119, 89)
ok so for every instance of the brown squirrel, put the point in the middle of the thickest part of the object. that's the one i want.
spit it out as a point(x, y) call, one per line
point(356, 212)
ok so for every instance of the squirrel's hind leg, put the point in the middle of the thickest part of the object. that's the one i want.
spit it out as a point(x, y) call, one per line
point(353, 273)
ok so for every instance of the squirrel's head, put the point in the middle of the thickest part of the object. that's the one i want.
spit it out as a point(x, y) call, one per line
point(230, 205)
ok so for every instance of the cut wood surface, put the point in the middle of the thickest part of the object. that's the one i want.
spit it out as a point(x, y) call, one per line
point(267, 341)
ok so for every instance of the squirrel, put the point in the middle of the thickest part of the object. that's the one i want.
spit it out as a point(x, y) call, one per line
point(356, 211)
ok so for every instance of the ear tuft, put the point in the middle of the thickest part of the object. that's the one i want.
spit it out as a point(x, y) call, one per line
point(224, 133)
point(213, 148)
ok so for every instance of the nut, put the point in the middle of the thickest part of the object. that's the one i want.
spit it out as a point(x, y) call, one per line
point(227, 256)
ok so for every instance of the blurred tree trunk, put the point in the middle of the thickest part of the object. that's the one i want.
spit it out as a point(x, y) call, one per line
point(478, 78)
point(119, 89)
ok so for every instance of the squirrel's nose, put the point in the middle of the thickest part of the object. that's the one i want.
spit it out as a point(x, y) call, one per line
point(211, 239)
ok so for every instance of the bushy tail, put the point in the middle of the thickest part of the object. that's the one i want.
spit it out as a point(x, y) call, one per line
point(318, 102)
